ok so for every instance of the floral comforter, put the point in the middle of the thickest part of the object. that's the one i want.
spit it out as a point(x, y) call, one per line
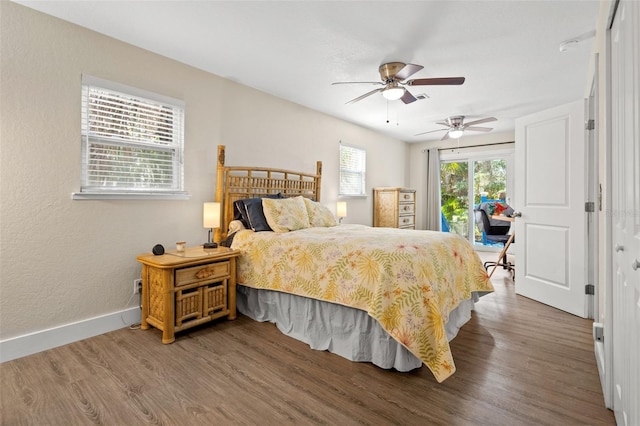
point(408, 280)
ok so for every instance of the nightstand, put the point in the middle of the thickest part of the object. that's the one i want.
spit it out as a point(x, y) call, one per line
point(183, 290)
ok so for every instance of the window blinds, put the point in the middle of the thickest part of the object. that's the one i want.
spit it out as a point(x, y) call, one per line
point(352, 170)
point(132, 140)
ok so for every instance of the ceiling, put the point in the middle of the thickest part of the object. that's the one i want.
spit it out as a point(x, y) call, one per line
point(507, 50)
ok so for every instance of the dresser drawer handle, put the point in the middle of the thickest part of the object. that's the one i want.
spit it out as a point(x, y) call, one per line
point(205, 273)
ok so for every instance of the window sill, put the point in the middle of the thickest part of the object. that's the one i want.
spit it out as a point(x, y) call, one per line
point(129, 196)
point(344, 196)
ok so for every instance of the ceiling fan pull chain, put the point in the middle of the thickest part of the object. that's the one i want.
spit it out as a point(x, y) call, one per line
point(387, 111)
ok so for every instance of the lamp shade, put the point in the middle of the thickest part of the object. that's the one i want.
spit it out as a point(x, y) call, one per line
point(211, 215)
point(341, 209)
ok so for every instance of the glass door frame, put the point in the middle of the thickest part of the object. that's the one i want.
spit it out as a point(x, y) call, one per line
point(481, 153)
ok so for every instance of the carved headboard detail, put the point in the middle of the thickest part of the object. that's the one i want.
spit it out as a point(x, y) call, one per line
point(237, 183)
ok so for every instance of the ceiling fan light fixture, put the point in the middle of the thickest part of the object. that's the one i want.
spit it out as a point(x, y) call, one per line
point(456, 133)
point(393, 93)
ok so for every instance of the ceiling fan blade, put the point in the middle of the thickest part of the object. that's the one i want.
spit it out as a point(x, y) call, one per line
point(443, 81)
point(407, 98)
point(432, 131)
point(445, 137)
point(483, 120)
point(359, 98)
point(357, 82)
point(407, 71)
point(478, 129)
point(442, 123)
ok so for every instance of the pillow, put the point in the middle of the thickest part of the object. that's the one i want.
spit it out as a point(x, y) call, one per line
point(240, 211)
point(319, 215)
point(255, 216)
point(235, 226)
point(288, 214)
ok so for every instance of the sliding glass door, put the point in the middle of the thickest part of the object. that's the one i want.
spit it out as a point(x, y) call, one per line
point(468, 179)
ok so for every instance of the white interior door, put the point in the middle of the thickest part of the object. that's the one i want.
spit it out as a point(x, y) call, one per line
point(550, 193)
point(625, 186)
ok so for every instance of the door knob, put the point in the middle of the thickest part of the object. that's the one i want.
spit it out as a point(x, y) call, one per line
point(619, 247)
point(517, 214)
point(635, 265)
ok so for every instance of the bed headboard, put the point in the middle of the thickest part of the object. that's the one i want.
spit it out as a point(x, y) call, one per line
point(237, 183)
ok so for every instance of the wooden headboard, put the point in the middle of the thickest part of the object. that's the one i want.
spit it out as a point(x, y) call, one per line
point(237, 183)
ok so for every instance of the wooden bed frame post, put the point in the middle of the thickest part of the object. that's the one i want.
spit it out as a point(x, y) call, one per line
point(318, 179)
point(217, 237)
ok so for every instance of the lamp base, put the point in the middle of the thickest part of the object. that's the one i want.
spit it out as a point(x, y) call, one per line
point(210, 245)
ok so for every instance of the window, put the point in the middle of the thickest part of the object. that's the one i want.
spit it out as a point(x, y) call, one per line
point(132, 142)
point(352, 170)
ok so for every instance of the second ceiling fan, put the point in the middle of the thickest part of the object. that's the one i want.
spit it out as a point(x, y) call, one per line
point(394, 77)
point(456, 126)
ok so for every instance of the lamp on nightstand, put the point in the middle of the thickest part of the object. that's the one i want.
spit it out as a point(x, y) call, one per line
point(211, 220)
point(341, 210)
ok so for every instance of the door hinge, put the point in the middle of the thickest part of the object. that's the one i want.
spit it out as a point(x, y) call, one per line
point(589, 207)
point(590, 124)
point(589, 289)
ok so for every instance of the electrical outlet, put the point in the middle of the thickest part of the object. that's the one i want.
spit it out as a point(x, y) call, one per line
point(137, 286)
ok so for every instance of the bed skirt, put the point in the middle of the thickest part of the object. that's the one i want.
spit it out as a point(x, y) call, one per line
point(348, 332)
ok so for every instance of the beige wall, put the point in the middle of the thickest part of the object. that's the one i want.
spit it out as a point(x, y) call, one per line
point(66, 261)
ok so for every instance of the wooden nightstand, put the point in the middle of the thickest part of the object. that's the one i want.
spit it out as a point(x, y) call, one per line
point(183, 290)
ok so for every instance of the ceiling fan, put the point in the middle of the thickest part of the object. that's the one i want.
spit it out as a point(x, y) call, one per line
point(456, 126)
point(394, 77)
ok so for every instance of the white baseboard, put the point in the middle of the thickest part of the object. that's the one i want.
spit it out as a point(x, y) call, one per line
point(602, 372)
point(39, 341)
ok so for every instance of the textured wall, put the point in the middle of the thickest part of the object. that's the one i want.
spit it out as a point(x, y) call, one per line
point(64, 261)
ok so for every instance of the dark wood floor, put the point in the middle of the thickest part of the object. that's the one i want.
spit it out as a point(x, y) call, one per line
point(519, 363)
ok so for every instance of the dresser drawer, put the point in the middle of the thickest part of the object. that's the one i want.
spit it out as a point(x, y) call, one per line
point(212, 271)
point(405, 221)
point(406, 208)
point(404, 197)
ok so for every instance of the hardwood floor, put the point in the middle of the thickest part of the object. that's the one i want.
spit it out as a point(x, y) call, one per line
point(518, 363)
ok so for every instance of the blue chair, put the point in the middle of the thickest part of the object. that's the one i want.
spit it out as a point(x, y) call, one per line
point(445, 224)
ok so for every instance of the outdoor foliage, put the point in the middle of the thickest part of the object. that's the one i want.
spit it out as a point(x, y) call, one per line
point(489, 179)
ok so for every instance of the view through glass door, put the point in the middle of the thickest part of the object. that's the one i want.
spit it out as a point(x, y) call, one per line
point(467, 182)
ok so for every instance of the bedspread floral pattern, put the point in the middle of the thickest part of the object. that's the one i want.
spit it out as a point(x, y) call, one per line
point(409, 281)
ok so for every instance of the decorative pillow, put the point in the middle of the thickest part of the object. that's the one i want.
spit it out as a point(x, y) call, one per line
point(319, 215)
point(288, 214)
point(240, 211)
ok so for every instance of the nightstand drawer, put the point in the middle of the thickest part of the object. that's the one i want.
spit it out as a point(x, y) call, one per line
point(201, 273)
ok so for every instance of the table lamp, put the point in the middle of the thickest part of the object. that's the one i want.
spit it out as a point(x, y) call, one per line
point(211, 220)
point(341, 210)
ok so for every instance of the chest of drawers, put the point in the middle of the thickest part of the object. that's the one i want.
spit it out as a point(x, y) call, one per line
point(394, 207)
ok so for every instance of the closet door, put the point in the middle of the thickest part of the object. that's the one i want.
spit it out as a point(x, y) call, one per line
point(625, 147)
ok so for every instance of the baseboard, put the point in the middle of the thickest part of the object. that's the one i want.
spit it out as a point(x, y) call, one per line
point(39, 341)
point(600, 361)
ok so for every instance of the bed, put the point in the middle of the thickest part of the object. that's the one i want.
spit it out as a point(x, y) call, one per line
point(392, 297)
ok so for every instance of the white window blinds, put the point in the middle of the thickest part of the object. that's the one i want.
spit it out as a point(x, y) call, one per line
point(352, 170)
point(132, 140)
